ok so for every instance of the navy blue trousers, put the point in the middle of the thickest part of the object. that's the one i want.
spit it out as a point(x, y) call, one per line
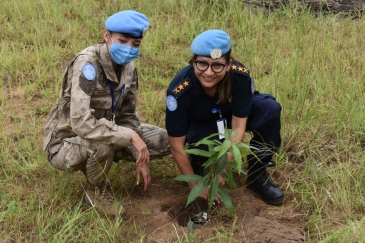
point(264, 123)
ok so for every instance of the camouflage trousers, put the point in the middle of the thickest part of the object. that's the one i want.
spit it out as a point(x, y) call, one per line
point(95, 159)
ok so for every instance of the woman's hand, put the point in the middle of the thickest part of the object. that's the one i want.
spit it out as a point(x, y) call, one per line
point(221, 181)
point(141, 147)
point(145, 171)
point(205, 195)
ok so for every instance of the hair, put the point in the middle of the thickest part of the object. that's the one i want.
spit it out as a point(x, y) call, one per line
point(224, 86)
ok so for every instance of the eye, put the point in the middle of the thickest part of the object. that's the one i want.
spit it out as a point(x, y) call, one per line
point(218, 65)
point(136, 44)
point(123, 40)
point(201, 63)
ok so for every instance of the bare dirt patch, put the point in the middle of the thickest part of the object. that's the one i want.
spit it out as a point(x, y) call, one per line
point(162, 212)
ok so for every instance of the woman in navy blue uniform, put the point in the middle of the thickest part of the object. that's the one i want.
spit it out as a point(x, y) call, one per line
point(216, 86)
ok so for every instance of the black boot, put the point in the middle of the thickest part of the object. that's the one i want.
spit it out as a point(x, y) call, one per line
point(259, 181)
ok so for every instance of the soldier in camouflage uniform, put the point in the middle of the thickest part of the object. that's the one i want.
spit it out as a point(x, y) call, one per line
point(95, 122)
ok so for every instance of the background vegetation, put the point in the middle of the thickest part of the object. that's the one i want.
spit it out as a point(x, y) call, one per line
point(313, 64)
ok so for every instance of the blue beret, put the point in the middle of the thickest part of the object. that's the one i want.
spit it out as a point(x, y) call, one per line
point(128, 22)
point(211, 43)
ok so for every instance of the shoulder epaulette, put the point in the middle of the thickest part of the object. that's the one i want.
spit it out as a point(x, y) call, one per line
point(240, 69)
point(182, 87)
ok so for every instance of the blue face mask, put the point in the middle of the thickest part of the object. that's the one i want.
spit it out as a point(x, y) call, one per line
point(123, 54)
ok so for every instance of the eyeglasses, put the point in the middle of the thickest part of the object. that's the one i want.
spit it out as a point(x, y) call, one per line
point(216, 67)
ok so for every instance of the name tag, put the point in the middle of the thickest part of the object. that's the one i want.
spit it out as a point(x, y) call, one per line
point(221, 125)
point(101, 92)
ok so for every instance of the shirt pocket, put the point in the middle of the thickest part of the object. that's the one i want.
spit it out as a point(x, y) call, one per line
point(101, 106)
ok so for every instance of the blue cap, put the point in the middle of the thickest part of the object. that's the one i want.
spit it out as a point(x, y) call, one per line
point(211, 43)
point(128, 22)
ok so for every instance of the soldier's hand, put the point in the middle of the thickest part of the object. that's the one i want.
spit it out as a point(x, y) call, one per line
point(141, 147)
point(145, 171)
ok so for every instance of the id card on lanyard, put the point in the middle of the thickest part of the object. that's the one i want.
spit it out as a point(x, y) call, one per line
point(221, 123)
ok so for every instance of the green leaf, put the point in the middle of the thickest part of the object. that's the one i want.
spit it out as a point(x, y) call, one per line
point(210, 148)
point(227, 134)
point(221, 164)
point(232, 165)
point(243, 145)
point(230, 180)
point(210, 161)
point(237, 157)
point(199, 152)
point(206, 139)
point(213, 190)
point(224, 175)
point(217, 148)
point(189, 178)
point(208, 176)
point(244, 155)
point(225, 146)
point(226, 199)
point(195, 192)
point(233, 134)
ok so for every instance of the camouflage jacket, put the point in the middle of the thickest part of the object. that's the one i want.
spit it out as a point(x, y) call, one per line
point(84, 107)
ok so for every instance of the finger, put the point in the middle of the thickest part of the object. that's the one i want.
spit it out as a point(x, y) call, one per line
point(137, 175)
point(146, 184)
point(218, 198)
point(148, 157)
point(139, 160)
point(147, 181)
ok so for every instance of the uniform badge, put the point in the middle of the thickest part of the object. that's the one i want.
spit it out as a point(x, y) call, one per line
point(89, 71)
point(144, 32)
point(216, 53)
point(171, 103)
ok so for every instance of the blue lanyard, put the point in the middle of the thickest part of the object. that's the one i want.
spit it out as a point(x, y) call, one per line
point(114, 105)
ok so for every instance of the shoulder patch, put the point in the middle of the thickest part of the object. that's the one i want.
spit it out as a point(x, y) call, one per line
point(240, 69)
point(89, 71)
point(86, 85)
point(171, 103)
point(181, 87)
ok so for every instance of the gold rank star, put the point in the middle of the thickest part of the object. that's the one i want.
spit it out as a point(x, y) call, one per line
point(186, 83)
point(181, 87)
point(240, 69)
point(234, 67)
point(245, 70)
point(176, 91)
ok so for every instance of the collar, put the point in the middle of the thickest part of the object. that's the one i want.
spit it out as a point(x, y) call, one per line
point(107, 63)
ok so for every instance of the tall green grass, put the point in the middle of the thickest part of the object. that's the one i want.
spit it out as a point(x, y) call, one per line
point(313, 65)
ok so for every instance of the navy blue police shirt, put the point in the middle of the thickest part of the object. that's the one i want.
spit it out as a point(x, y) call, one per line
point(193, 107)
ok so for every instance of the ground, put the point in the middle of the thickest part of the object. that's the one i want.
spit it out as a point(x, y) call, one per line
point(162, 213)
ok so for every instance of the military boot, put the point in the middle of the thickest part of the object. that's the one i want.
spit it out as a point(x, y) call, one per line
point(259, 181)
point(99, 197)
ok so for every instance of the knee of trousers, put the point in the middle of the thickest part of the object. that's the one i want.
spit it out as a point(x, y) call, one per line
point(265, 106)
point(99, 161)
point(271, 109)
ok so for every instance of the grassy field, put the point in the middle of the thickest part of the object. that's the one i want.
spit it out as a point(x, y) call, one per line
point(315, 66)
